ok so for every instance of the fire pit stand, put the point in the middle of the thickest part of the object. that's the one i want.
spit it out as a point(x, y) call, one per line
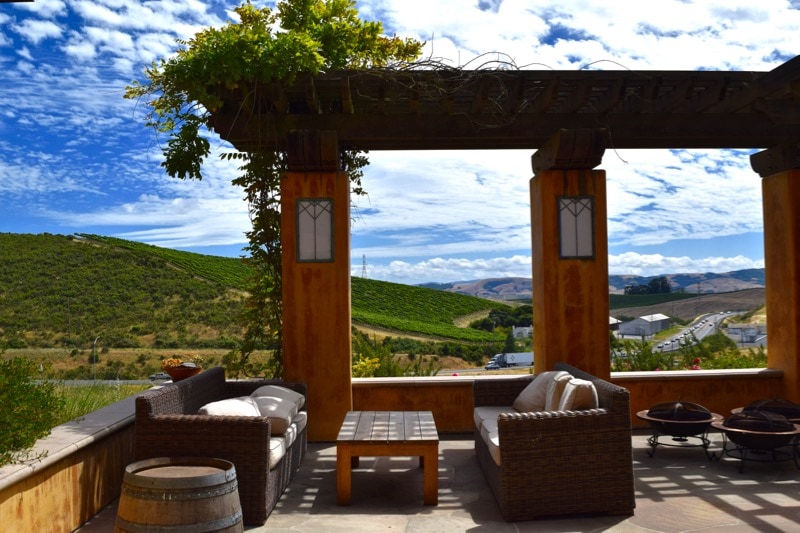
point(781, 442)
point(679, 433)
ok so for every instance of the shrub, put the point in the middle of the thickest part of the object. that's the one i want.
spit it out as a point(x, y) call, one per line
point(374, 359)
point(30, 408)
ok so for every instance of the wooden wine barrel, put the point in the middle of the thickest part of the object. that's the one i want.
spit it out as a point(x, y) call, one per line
point(179, 494)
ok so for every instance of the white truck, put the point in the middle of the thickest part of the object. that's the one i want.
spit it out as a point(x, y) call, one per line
point(514, 359)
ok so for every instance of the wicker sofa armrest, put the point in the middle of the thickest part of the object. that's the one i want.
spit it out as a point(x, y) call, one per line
point(544, 425)
point(244, 437)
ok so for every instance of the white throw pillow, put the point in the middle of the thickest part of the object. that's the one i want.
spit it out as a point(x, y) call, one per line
point(280, 412)
point(534, 396)
point(556, 390)
point(578, 394)
point(241, 406)
point(276, 391)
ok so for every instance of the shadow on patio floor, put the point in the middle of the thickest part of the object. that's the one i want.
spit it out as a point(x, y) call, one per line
point(677, 490)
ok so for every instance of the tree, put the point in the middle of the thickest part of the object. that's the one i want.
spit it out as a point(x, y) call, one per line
point(241, 58)
point(510, 346)
point(30, 408)
point(660, 285)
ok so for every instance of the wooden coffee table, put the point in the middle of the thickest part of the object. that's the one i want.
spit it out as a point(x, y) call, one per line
point(387, 434)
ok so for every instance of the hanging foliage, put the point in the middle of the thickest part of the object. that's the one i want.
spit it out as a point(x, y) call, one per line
point(265, 46)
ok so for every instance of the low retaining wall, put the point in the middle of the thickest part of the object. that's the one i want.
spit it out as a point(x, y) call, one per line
point(717, 390)
point(80, 475)
point(450, 397)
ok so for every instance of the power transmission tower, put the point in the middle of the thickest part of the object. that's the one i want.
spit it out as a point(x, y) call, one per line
point(364, 266)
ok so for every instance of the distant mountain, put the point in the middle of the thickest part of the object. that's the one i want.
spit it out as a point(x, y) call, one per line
point(521, 288)
point(491, 288)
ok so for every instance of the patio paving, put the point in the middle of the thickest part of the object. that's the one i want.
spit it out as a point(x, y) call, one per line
point(677, 490)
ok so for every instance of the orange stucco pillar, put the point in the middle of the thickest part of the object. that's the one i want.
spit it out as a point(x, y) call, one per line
point(780, 188)
point(570, 286)
point(316, 288)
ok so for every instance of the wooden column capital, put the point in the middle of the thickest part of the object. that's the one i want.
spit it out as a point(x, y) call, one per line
point(570, 149)
point(313, 151)
point(777, 159)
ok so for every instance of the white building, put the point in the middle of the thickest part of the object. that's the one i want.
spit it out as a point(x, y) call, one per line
point(645, 326)
point(522, 332)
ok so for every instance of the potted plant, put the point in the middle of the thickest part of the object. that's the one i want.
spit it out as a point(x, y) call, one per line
point(179, 369)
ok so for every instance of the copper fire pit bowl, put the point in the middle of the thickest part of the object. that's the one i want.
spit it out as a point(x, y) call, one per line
point(681, 421)
point(760, 436)
point(774, 405)
point(678, 419)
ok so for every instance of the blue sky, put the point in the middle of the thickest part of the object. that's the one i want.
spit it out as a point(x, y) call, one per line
point(76, 157)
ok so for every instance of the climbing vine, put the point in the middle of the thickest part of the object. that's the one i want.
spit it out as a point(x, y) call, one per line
point(265, 46)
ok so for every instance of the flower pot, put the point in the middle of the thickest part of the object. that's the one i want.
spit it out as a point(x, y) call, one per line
point(178, 373)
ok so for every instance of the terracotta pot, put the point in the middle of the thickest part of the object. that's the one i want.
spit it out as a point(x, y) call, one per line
point(178, 373)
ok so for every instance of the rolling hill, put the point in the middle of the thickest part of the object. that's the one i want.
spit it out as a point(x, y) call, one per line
point(65, 291)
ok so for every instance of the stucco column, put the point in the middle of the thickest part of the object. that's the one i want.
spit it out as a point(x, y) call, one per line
point(780, 190)
point(570, 290)
point(316, 292)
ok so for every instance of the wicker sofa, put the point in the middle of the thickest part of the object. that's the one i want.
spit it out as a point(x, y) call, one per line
point(551, 463)
point(166, 425)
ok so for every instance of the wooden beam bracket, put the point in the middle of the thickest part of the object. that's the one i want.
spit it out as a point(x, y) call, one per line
point(570, 149)
point(313, 151)
point(777, 159)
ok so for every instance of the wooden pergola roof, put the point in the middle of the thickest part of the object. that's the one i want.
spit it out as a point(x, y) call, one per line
point(503, 109)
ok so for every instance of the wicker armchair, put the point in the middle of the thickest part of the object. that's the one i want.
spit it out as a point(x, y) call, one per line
point(559, 462)
point(167, 426)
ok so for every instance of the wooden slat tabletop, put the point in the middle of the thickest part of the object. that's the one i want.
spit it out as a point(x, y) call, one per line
point(388, 426)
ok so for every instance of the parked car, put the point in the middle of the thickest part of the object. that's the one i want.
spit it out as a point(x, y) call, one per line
point(161, 376)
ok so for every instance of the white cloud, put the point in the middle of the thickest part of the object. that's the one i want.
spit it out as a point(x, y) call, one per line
point(46, 9)
point(441, 270)
point(655, 264)
point(25, 53)
point(80, 48)
point(35, 31)
point(73, 152)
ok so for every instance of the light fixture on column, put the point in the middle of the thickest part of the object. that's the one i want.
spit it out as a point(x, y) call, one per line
point(315, 230)
point(576, 227)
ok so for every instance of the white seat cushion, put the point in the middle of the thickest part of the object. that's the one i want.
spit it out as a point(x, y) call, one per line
point(578, 394)
point(300, 421)
point(277, 449)
point(241, 406)
point(534, 396)
point(491, 436)
point(489, 412)
point(280, 443)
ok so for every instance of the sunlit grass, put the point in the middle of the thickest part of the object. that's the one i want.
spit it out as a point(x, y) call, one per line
point(82, 399)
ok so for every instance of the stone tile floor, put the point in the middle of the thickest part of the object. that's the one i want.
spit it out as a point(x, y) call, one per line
point(677, 490)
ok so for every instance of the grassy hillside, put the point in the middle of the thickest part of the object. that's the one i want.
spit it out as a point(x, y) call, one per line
point(228, 271)
point(58, 291)
point(417, 310)
point(687, 307)
point(620, 301)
